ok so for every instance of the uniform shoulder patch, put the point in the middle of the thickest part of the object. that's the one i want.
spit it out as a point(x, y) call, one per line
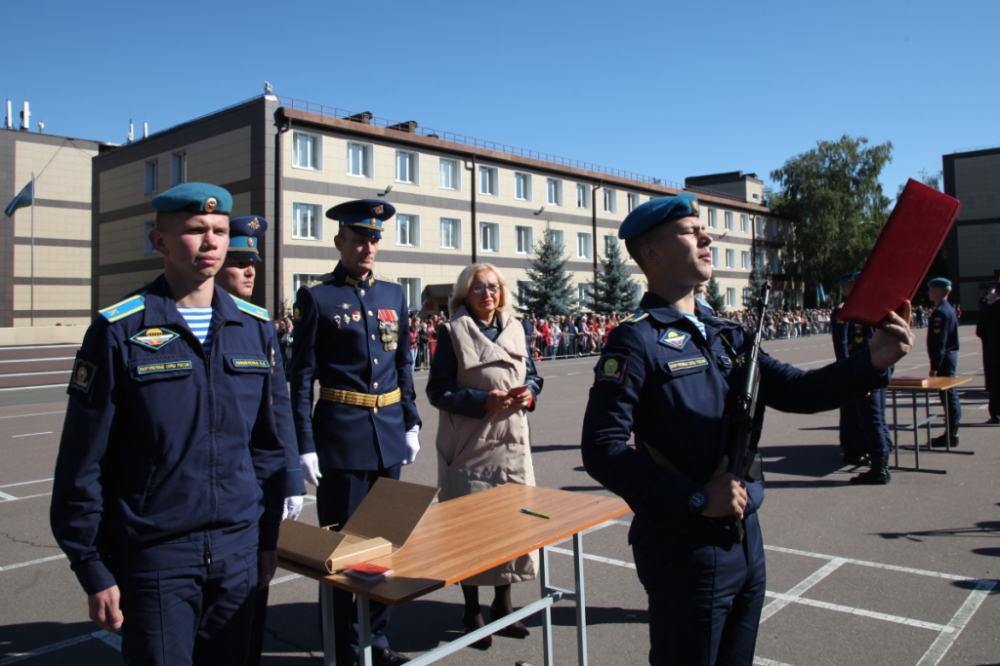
point(613, 368)
point(82, 379)
point(320, 280)
point(251, 309)
point(123, 309)
point(634, 317)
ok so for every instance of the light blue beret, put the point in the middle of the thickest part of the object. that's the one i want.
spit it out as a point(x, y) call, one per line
point(245, 233)
point(365, 216)
point(940, 282)
point(657, 211)
point(194, 198)
point(848, 277)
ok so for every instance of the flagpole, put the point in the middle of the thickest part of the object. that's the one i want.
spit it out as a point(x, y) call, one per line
point(32, 297)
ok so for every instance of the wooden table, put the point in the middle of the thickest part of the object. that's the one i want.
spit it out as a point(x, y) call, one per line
point(468, 535)
point(931, 385)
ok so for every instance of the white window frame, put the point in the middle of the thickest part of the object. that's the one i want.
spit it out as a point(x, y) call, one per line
point(522, 181)
point(728, 220)
point(491, 231)
point(368, 153)
point(178, 168)
point(408, 283)
point(528, 244)
point(730, 258)
point(300, 280)
point(583, 196)
point(456, 233)
point(489, 179)
point(151, 176)
point(713, 220)
point(745, 260)
point(456, 171)
point(413, 167)
point(561, 235)
point(610, 200)
point(317, 211)
point(584, 294)
point(520, 289)
point(316, 161)
point(731, 297)
point(407, 230)
point(715, 257)
point(147, 245)
point(744, 223)
point(584, 245)
point(633, 201)
point(554, 191)
point(610, 241)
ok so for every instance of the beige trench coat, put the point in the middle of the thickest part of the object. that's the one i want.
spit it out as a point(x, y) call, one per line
point(477, 454)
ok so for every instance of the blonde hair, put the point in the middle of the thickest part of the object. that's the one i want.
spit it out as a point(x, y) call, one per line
point(464, 284)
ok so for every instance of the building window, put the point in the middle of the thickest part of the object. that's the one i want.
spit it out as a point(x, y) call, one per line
point(584, 294)
point(359, 160)
point(760, 226)
point(178, 168)
point(554, 188)
point(715, 256)
point(584, 245)
point(525, 240)
point(731, 297)
point(774, 263)
point(307, 221)
point(729, 220)
point(522, 186)
point(407, 230)
point(772, 227)
point(406, 167)
point(147, 245)
point(305, 151)
point(559, 240)
point(745, 260)
point(152, 177)
point(633, 201)
point(610, 201)
point(488, 180)
point(730, 258)
point(712, 221)
point(744, 223)
point(300, 280)
point(451, 233)
point(450, 175)
point(522, 287)
point(489, 237)
point(411, 287)
point(610, 245)
point(761, 262)
point(582, 195)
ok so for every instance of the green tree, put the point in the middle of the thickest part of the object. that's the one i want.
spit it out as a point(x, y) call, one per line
point(751, 293)
point(551, 290)
point(714, 297)
point(834, 199)
point(614, 290)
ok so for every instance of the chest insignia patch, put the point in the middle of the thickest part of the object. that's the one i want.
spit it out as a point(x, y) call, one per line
point(674, 339)
point(356, 315)
point(154, 368)
point(387, 315)
point(687, 363)
point(154, 338)
point(344, 306)
point(612, 368)
point(83, 376)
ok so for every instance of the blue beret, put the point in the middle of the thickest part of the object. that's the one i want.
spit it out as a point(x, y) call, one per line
point(245, 233)
point(848, 277)
point(940, 282)
point(194, 198)
point(657, 211)
point(365, 216)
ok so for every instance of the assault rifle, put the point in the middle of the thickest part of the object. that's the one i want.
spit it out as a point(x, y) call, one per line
point(738, 430)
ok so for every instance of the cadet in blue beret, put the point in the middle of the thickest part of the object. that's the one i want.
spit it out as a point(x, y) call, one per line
point(170, 474)
point(664, 376)
point(850, 435)
point(365, 425)
point(942, 348)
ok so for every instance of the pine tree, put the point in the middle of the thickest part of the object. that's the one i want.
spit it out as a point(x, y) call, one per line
point(758, 278)
point(551, 291)
point(614, 291)
point(714, 297)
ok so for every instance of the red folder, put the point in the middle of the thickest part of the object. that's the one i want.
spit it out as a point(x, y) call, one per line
point(904, 251)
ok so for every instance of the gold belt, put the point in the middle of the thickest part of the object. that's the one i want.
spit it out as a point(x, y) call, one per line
point(361, 399)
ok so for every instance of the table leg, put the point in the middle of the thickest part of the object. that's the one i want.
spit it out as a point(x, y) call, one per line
point(581, 599)
point(927, 408)
point(895, 427)
point(947, 425)
point(543, 561)
point(916, 434)
point(326, 619)
point(364, 631)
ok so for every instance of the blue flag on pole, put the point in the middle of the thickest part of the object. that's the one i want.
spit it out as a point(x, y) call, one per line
point(822, 293)
point(22, 200)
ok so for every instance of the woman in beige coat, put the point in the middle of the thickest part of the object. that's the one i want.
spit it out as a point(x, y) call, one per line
point(484, 382)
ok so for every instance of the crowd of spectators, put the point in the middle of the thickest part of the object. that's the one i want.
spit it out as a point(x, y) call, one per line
point(780, 324)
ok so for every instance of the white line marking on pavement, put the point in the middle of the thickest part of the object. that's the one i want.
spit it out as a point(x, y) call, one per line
point(25, 483)
point(35, 374)
point(114, 640)
point(30, 563)
point(760, 661)
point(31, 388)
point(594, 558)
point(11, 498)
point(66, 346)
point(30, 360)
point(570, 374)
point(285, 579)
point(32, 434)
point(4, 496)
point(939, 648)
point(876, 565)
point(920, 624)
point(802, 587)
point(21, 416)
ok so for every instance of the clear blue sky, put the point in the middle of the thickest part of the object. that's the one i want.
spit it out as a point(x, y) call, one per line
point(666, 89)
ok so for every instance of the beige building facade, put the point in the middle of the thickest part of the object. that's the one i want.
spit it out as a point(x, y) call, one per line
point(457, 200)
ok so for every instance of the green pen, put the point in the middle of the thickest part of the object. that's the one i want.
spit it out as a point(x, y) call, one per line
point(536, 514)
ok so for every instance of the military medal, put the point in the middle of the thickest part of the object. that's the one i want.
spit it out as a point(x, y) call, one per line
point(344, 306)
point(336, 320)
point(356, 315)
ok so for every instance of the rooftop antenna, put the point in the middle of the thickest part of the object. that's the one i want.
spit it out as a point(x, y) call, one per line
point(145, 130)
point(25, 117)
point(128, 138)
point(41, 127)
point(9, 121)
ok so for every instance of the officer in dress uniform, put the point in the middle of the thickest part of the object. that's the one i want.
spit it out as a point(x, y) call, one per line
point(664, 376)
point(166, 507)
point(988, 330)
point(237, 277)
point(942, 348)
point(850, 434)
point(353, 337)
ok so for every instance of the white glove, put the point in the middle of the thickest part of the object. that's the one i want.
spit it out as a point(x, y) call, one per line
point(412, 444)
point(310, 467)
point(292, 508)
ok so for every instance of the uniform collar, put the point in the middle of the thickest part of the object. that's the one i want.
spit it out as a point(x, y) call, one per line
point(341, 276)
point(161, 308)
point(665, 313)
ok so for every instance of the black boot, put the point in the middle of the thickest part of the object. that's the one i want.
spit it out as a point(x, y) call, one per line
point(878, 475)
point(856, 460)
point(941, 441)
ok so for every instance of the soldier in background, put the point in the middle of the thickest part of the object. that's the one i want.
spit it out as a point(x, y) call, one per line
point(942, 348)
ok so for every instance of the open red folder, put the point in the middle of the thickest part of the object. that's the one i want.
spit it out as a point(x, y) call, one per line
point(904, 251)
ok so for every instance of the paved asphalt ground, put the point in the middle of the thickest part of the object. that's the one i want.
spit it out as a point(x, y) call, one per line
point(905, 574)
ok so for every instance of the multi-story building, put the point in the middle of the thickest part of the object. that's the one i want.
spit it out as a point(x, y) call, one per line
point(457, 199)
point(973, 246)
point(45, 267)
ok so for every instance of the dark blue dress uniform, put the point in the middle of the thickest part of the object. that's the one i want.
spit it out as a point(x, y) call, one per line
point(660, 379)
point(352, 336)
point(850, 435)
point(170, 473)
point(869, 411)
point(942, 348)
point(988, 329)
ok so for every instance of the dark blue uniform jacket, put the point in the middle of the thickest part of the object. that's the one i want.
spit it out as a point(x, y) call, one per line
point(661, 380)
point(344, 326)
point(838, 329)
point(169, 457)
point(942, 334)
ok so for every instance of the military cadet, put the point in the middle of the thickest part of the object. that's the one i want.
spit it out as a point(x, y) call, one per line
point(850, 435)
point(664, 376)
point(165, 505)
point(237, 277)
point(942, 348)
point(988, 330)
point(352, 336)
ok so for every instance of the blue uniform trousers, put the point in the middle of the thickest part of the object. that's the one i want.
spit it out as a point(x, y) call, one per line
point(189, 615)
point(339, 493)
point(256, 647)
point(869, 414)
point(850, 435)
point(949, 398)
point(705, 595)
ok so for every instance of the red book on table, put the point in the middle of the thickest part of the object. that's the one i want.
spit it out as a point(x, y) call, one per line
point(903, 253)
